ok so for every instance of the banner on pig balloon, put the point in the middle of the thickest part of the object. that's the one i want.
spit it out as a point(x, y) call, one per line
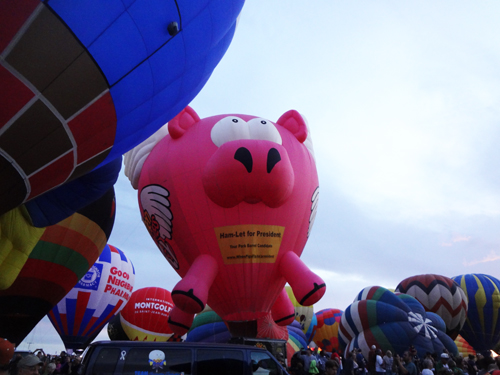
point(230, 201)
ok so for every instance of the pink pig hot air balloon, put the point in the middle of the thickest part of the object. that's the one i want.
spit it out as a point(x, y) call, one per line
point(230, 201)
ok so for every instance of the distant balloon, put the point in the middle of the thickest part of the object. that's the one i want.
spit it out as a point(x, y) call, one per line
point(82, 83)
point(326, 330)
point(145, 317)
point(231, 211)
point(98, 296)
point(482, 326)
point(303, 314)
point(115, 329)
point(296, 338)
point(464, 348)
point(208, 327)
point(441, 295)
point(64, 254)
point(392, 322)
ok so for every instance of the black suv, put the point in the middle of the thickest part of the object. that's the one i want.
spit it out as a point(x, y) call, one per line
point(168, 358)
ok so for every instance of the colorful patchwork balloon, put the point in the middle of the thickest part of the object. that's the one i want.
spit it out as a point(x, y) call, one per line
point(440, 295)
point(392, 322)
point(326, 330)
point(482, 326)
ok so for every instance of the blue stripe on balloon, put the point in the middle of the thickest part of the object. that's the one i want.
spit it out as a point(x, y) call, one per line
point(70, 314)
point(89, 313)
point(105, 256)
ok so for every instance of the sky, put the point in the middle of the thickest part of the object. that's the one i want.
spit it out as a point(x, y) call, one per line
point(402, 101)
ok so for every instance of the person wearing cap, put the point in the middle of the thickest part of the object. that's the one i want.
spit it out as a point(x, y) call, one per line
point(442, 366)
point(6, 354)
point(29, 365)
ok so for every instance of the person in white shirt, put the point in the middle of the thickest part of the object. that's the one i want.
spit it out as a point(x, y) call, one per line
point(379, 363)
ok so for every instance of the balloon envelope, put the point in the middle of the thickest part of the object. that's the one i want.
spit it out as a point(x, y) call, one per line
point(64, 254)
point(85, 81)
point(482, 326)
point(441, 295)
point(392, 322)
point(303, 314)
point(145, 317)
point(236, 208)
point(464, 348)
point(326, 330)
point(98, 296)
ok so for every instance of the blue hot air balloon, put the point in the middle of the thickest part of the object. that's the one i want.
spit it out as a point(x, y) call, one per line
point(482, 326)
point(392, 322)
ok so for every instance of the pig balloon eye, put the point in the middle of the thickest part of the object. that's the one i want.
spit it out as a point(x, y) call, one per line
point(229, 129)
point(263, 129)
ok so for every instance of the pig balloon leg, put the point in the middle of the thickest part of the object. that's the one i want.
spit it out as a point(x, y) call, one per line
point(180, 321)
point(191, 293)
point(283, 311)
point(308, 288)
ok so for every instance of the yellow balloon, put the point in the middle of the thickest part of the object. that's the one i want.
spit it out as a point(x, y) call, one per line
point(18, 237)
point(303, 314)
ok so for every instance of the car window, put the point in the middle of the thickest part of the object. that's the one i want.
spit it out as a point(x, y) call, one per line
point(148, 361)
point(220, 362)
point(106, 361)
point(263, 364)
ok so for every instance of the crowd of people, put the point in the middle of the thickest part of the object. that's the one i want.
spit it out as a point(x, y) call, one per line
point(314, 362)
point(36, 363)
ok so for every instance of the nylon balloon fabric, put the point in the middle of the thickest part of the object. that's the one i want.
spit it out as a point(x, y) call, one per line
point(392, 322)
point(230, 201)
point(99, 295)
point(145, 317)
point(62, 256)
point(441, 295)
point(482, 326)
point(326, 330)
point(85, 81)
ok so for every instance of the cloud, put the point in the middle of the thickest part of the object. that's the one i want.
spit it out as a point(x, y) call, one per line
point(456, 238)
point(491, 257)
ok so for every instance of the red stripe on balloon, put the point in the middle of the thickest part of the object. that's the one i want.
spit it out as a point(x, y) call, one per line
point(82, 301)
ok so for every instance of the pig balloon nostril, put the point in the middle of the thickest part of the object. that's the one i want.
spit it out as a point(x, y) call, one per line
point(273, 157)
point(244, 157)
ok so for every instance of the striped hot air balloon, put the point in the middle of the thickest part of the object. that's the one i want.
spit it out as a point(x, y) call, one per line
point(99, 295)
point(392, 322)
point(482, 326)
point(64, 254)
point(440, 295)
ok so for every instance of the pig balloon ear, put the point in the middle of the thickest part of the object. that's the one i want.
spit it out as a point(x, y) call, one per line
point(294, 122)
point(182, 122)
